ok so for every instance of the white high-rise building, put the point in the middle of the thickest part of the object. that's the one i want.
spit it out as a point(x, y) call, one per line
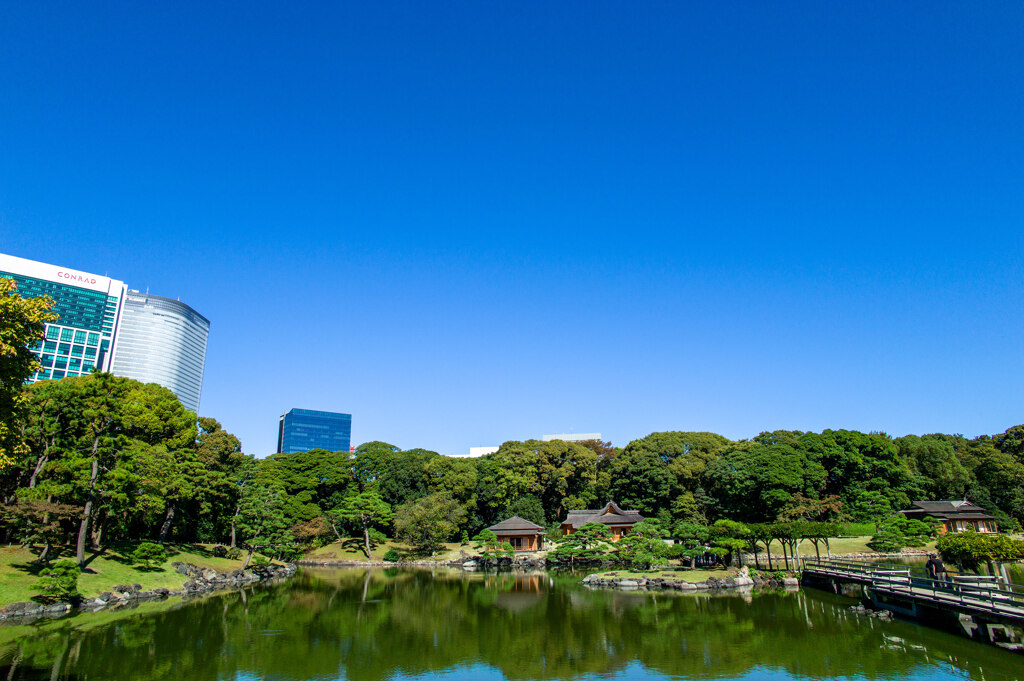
point(103, 325)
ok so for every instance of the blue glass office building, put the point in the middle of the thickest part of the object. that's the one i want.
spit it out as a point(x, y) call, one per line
point(301, 430)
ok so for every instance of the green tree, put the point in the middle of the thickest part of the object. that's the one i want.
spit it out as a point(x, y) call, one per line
point(969, 549)
point(149, 555)
point(22, 323)
point(60, 582)
point(491, 547)
point(644, 546)
point(261, 520)
point(428, 522)
point(733, 536)
point(365, 510)
point(589, 543)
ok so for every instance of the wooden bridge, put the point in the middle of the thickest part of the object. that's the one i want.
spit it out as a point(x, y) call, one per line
point(909, 591)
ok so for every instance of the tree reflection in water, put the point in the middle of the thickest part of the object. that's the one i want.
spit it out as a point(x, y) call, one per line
point(370, 625)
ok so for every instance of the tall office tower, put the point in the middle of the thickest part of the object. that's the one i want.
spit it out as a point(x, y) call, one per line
point(301, 430)
point(103, 325)
point(162, 340)
point(89, 307)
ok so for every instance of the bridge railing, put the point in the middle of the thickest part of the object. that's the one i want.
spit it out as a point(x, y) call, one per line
point(967, 591)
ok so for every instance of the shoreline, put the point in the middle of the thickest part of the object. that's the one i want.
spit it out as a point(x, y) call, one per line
point(201, 582)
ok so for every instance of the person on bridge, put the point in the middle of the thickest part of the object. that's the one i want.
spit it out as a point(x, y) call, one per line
point(936, 570)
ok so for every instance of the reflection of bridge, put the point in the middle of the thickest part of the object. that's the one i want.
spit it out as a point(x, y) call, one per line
point(909, 591)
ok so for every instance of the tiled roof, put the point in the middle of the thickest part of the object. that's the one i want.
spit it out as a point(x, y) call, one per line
point(611, 514)
point(949, 509)
point(516, 525)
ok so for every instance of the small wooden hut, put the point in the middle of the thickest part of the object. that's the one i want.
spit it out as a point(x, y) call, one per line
point(520, 533)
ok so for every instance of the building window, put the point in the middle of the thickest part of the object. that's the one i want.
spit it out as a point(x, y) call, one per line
point(61, 363)
point(90, 352)
point(64, 349)
point(76, 351)
point(52, 332)
point(94, 339)
point(58, 375)
point(79, 336)
point(65, 335)
point(49, 346)
point(75, 364)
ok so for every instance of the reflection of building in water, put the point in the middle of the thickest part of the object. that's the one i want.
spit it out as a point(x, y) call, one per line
point(520, 593)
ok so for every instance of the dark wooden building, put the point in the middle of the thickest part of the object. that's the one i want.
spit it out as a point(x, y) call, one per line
point(620, 522)
point(520, 533)
point(958, 515)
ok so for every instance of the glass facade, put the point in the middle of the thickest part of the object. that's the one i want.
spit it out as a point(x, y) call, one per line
point(162, 340)
point(103, 325)
point(88, 307)
point(301, 430)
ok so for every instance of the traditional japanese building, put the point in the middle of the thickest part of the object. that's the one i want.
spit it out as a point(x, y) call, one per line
point(620, 522)
point(520, 533)
point(958, 515)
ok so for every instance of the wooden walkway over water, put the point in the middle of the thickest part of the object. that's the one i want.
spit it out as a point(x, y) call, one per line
point(906, 590)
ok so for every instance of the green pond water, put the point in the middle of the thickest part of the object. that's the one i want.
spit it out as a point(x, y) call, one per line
point(454, 625)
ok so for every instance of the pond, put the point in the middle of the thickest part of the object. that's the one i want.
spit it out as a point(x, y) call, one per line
point(366, 625)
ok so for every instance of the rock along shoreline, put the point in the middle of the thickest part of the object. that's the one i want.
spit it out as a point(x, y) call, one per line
point(743, 580)
point(201, 581)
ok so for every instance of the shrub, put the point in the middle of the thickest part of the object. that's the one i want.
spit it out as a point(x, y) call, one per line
point(234, 553)
point(60, 582)
point(219, 551)
point(260, 560)
point(149, 555)
point(392, 556)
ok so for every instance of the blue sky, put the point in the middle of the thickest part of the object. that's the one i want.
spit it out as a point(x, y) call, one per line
point(471, 222)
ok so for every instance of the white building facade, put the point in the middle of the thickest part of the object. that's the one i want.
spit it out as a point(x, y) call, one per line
point(103, 325)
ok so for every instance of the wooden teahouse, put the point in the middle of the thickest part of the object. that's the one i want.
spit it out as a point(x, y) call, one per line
point(958, 515)
point(620, 522)
point(520, 533)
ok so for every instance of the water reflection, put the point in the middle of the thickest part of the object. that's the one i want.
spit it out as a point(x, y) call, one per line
point(371, 625)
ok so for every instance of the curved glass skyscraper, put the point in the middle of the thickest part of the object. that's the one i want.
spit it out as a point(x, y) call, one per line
point(162, 340)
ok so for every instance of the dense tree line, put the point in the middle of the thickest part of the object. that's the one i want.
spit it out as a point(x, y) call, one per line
point(100, 458)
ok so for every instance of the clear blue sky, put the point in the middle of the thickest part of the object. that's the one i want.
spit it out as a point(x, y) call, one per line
point(471, 222)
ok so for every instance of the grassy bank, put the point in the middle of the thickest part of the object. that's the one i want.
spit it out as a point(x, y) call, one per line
point(352, 550)
point(692, 576)
point(104, 569)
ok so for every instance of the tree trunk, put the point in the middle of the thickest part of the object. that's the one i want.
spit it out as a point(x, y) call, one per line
point(83, 530)
point(167, 523)
point(42, 556)
point(768, 550)
point(366, 540)
point(233, 519)
point(785, 555)
point(97, 533)
point(816, 551)
point(828, 549)
point(757, 562)
point(248, 558)
point(796, 553)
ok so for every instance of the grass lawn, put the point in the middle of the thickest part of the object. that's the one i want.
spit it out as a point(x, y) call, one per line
point(352, 549)
point(104, 569)
point(840, 546)
point(692, 576)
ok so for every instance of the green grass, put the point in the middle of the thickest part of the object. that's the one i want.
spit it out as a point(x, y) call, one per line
point(692, 576)
point(104, 569)
point(840, 546)
point(352, 550)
